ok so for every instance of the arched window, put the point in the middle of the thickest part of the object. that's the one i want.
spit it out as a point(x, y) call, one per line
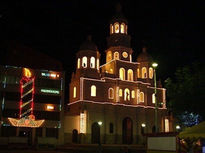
point(153, 98)
point(110, 93)
point(111, 71)
point(98, 63)
point(122, 73)
point(127, 94)
point(92, 62)
point(130, 75)
point(150, 72)
point(78, 63)
point(138, 73)
point(133, 94)
point(109, 56)
point(117, 28)
point(84, 62)
point(141, 97)
point(74, 92)
point(116, 55)
point(166, 125)
point(138, 95)
point(144, 72)
point(93, 91)
point(120, 92)
point(111, 29)
point(122, 28)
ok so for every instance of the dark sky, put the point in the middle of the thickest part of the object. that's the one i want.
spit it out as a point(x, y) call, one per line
point(172, 31)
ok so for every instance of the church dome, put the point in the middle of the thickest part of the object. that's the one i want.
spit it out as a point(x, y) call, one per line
point(144, 56)
point(88, 45)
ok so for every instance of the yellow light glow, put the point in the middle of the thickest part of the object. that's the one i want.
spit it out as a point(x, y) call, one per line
point(82, 122)
point(27, 72)
point(74, 92)
point(144, 72)
point(153, 98)
point(150, 72)
point(120, 92)
point(122, 73)
point(122, 28)
point(26, 122)
point(141, 97)
point(138, 73)
point(133, 94)
point(178, 127)
point(93, 91)
point(124, 54)
point(166, 125)
point(100, 123)
point(154, 65)
point(143, 125)
point(50, 107)
point(117, 28)
point(92, 62)
point(126, 94)
point(78, 63)
point(130, 75)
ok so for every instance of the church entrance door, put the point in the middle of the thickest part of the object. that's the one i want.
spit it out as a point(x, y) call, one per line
point(95, 133)
point(127, 131)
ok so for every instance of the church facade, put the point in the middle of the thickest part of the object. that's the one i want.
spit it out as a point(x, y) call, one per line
point(114, 103)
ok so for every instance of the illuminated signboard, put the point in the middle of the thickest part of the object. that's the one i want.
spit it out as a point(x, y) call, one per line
point(51, 75)
point(82, 122)
point(50, 91)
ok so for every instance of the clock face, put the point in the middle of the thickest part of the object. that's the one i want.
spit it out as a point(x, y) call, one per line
point(124, 54)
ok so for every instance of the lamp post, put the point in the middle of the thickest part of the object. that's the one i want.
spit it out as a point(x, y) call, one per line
point(100, 148)
point(154, 65)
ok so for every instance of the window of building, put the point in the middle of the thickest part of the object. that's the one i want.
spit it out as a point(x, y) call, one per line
point(127, 94)
point(166, 125)
point(78, 63)
point(116, 55)
point(124, 54)
point(144, 72)
point(117, 28)
point(111, 128)
point(120, 92)
point(92, 62)
point(110, 93)
point(84, 62)
point(133, 94)
point(141, 97)
point(138, 73)
point(98, 63)
point(130, 75)
point(111, 29)
point(130, 58)
point(153, 98)
point(138, 95)
point(122, 29)
point(109, 56)
point(122, 73)
point(150, 72)
point(74, 92)
point(93, 91)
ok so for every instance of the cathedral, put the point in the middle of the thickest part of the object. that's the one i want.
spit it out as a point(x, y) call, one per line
point(115, 102)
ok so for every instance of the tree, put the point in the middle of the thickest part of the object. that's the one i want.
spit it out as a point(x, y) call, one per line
point(185, 92)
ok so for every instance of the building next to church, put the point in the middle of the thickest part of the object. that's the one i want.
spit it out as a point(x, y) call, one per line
point(31, 99)
point(114, 103)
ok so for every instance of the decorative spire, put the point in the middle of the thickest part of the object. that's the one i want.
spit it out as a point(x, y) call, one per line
point(118, 7)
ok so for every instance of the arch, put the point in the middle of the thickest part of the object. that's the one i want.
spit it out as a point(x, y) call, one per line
point(133, 94)
point(116, 27)
point(109, 56)
point(130, 75)
point(122, 73)
point(111, 93)
point(150, 72)
point(95, 133)
point(116, 55)
point(93, 91)
point(127, 94)
point(92, 62)
point(153, 98)
point(84, 62)
point(75, 136)
point(144, 72)
point(78, 65)
point(141, 97)
point(127, 131)
point(122, 28)
point(111, 29)
point(120, 92)
point(74, 92)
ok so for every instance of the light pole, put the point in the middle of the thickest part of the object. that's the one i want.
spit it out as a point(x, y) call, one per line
point(100, 148)
point(154, 65)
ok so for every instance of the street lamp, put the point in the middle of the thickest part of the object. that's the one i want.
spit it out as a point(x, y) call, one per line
point(100, 148)
point(154, 65)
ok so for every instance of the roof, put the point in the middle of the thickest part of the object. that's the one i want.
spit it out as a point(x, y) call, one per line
point(144, 56)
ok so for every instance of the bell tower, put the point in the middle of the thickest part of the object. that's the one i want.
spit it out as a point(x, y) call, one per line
point(118, 42)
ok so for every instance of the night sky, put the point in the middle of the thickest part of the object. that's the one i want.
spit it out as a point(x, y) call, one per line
point(172, 31)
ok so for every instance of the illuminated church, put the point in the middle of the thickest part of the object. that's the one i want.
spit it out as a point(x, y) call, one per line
point(114, 103)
